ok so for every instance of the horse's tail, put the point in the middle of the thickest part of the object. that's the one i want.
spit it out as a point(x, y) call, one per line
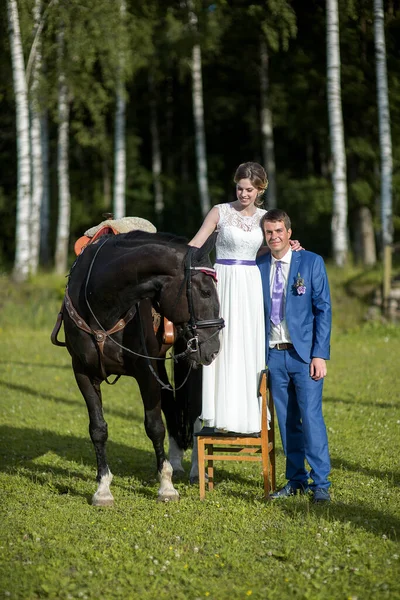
point(182, 408)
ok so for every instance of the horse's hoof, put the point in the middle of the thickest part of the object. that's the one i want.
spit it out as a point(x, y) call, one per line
point(168, 497)
point(194, 480)
point(102, 500)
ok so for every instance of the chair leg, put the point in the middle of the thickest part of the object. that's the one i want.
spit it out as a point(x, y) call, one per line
point(266, 463)
point(201, 461)
point(210, 467)
point(272, 439)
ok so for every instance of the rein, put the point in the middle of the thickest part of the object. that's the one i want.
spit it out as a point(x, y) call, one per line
point(193, 324)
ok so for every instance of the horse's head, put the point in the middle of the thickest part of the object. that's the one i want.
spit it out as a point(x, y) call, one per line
point(191, 301)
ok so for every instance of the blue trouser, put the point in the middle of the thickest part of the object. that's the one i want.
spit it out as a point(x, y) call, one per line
point(298, 404)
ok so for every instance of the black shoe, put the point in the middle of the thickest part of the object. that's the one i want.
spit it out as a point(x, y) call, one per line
point(321, 495)
point(288, 490)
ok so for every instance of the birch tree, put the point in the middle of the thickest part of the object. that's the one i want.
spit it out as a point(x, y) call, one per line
point(36, 139)
point(22, 248)
point(198, 114)
point(268, 147)
point(339, 177)
point(64, 199)
point(45, 205)
point(385, 140)
point(119, 134)
point(156, 162)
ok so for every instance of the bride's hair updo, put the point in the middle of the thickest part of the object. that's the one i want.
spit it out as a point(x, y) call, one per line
point(257, 175)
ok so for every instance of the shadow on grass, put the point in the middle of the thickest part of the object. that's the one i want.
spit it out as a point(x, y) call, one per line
point(21, 447)
point(58, 399)
point(392, 476)
point(357, 514)
point(355, 403)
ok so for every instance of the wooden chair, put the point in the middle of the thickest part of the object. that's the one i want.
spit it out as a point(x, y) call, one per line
point(259, 448)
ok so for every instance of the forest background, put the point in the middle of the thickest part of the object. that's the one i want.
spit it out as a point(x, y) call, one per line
point(142, 53)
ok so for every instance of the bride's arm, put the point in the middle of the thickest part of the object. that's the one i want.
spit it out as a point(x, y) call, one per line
point(209, 225)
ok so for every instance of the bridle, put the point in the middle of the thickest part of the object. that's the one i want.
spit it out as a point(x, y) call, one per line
point(191, 327)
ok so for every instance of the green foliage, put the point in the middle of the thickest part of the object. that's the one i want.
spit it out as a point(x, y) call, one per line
point(156, 37)
point(361, 192)
point(231, 546)
point(308, 203)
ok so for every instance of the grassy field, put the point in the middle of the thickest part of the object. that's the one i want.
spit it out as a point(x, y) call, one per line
point(53, 544)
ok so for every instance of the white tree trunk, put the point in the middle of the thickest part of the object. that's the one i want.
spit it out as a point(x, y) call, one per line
point(339, 181)
point(64, 199)
point(22, 248)
point(156, 154)
point(267, 127)
point(36, 150)
point(385, 139)
point(45, 207)
point(364, 237)
point(198, 116)
point(198, 113)
point(119, 155)
point(119, 139)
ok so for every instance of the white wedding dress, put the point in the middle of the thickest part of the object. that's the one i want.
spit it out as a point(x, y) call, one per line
point(230, 383)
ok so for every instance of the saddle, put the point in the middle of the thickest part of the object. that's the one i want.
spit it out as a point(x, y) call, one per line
point(112, 226)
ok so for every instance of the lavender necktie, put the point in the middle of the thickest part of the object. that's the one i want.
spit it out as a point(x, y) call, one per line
point(277, 295)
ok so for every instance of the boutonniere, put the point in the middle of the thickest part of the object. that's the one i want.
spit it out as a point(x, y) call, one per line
point(299, 286)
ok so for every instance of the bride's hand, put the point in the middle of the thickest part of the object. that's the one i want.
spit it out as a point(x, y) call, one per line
point(295, 245)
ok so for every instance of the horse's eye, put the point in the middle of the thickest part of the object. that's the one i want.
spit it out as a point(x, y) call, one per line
point(205, 293)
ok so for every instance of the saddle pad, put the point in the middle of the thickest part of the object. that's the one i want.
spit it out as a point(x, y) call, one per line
point(113, 226)
point(123, 225)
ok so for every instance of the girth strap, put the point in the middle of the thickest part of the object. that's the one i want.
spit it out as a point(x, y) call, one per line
point(100, 335)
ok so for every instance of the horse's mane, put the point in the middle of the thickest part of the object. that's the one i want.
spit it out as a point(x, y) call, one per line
point(144, 237)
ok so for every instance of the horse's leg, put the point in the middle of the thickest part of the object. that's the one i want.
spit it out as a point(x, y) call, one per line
point(98, 430)
point(168, 406)
point(185, 409)
point(175, 456)
point(194, 471)
point(154, 426)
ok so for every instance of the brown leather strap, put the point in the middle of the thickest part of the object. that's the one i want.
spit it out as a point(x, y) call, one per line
point(169, 332)
point(100, 336)
point(79, 322)
point(98, 333)
point(57, 327)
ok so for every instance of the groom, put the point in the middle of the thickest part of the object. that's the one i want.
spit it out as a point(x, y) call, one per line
point(297, 311)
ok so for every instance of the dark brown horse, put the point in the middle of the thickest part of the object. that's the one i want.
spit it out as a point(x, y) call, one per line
point(108, 324)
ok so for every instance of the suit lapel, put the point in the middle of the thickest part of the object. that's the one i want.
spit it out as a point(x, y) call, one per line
point(293, 270)
point(265, 275)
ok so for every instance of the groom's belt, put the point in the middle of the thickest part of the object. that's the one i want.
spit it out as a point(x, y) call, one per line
point(283, 346)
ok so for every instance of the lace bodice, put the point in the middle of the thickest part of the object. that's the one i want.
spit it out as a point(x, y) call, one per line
point(238, 237)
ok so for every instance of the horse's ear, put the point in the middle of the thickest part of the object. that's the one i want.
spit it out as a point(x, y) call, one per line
point(204, 251)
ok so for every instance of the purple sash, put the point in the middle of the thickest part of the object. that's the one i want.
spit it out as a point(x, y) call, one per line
point(234, 261)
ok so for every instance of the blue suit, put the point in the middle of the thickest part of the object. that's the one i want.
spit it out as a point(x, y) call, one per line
point(297, 397)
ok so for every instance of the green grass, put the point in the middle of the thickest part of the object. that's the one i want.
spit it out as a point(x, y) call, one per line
point(53, 544)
